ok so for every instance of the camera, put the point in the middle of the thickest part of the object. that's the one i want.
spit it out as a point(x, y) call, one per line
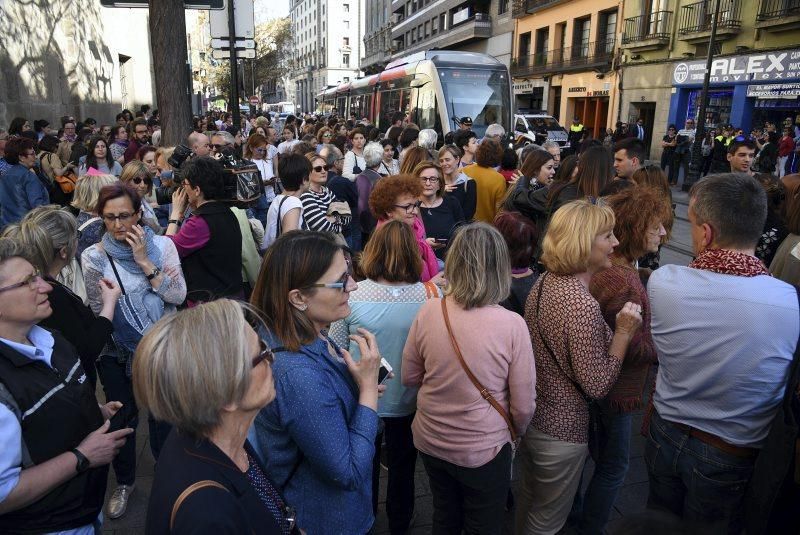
point(171, 180)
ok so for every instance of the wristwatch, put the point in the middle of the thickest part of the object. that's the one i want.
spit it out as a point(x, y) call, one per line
point(154, 274)
point(83, 462)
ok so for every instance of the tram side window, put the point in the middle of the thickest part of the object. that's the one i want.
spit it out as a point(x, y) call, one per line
point(390, 102)
point(426, 108)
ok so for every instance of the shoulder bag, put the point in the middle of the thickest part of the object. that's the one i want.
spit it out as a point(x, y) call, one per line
point(485, 394)
point(597, 429)
point(188, 492)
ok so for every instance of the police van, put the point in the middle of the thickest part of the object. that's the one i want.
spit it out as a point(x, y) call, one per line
point(538, 127)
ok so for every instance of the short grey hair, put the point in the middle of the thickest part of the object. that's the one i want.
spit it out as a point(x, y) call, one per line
point(333, 153)
point(213, 337)
point(527, 150)
point(10, 248)
point(550, 144)
point(734, 204)
point(478, 266)
point(373, 154)
point(427, 138)
point(495, 129)
point(225, 135)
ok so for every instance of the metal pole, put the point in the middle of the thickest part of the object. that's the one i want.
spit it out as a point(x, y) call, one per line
point(696, 162)
point(235, 66)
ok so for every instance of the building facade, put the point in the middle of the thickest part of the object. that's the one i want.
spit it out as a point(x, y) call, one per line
point(755, 74)
point(482, 26)
point(565, 57)
point(72, 57)
point(377, 35)
point(328, 36)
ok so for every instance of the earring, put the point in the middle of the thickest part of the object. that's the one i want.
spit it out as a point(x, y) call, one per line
point(303, 307)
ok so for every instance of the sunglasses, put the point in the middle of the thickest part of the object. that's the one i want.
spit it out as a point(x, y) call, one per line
point(320, 168)
point(139, 180)
point(29, 281)
point(264, 353)
point(341, 284)
point(261, 149)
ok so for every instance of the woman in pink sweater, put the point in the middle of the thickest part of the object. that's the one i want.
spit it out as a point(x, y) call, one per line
point(464, 441)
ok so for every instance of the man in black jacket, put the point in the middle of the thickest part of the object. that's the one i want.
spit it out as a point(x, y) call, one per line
point(54, 444)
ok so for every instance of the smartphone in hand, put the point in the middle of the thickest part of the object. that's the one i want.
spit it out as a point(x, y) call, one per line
point(384, 371)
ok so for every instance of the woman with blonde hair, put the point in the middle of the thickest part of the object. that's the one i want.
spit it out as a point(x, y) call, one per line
point(392, 289)
point(90, 225)
point(137, 175)
point(464, 438)
point(578, 360)
point(456, 183)
point(207, 460)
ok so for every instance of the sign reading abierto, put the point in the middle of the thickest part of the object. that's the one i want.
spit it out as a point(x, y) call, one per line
point(767, 67)
point(773, 90)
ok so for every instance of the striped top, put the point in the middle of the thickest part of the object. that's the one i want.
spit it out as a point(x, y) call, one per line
point(315, 211)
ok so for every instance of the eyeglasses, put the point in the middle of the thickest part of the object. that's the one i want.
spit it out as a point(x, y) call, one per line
point(327, 135)
point(320, 168)
point(409, 208)
point(139, 180)
point(30, 281)
point(217, 146)
point(429, 179)
point(265, 353)
point(110, 218)
point(341, 283)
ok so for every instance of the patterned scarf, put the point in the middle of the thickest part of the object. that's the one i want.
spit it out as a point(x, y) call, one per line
point(729, 263)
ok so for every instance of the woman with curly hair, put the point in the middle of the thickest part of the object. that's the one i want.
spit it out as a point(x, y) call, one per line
point(397, 197)
point(651, 176)
point(640, 216)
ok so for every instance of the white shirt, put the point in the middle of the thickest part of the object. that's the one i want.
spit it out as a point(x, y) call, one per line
point(292, 202)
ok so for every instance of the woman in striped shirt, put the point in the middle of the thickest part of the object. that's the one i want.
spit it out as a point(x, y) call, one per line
point(318, 199)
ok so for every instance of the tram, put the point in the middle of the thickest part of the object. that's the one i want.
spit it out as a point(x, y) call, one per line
point(434, 89)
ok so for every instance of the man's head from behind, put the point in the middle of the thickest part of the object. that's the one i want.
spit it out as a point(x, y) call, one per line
point(727, 211)
point(629, 155)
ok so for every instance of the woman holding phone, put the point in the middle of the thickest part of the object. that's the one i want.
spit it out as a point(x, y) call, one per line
point(441, 214)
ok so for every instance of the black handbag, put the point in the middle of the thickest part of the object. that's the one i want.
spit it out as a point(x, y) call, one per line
point(597, 429)
point(773, 492)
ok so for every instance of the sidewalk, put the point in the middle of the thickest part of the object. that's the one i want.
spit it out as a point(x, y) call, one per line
point(631, 499)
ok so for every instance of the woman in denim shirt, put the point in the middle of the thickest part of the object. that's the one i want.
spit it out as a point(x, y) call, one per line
point(317, 437)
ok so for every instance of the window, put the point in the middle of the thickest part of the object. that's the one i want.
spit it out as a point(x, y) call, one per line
point(346, 60)
point(346, 8)
point(542, 39)
point(346, 79)
point(442, 19)
point(608, 31)
point(524, 49)
point(346, 24)
point(427, 29)
point(580, 38)
point(434, 25)
point(346, 41)
point(503, 7)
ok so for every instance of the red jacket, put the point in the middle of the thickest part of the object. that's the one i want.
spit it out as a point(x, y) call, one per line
point(785, 146)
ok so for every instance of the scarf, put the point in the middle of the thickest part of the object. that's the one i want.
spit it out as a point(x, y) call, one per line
point(729, 263)
point(122, 253)
point(430, 265)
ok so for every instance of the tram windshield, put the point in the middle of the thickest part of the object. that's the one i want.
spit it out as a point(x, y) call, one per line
point(483, 95)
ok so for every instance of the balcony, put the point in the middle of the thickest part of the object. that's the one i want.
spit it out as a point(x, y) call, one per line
point(778, 15)
point(596, 56)
point(695, 22)
point(647, 32)
point(523, 8)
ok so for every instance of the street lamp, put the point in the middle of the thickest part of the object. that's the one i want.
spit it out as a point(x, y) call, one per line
point(696, 162)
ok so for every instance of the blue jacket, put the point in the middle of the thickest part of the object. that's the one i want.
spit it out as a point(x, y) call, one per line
point(318, 443)
point(20, 191)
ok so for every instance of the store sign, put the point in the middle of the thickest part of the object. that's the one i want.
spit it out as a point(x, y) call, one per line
point(598, 93)
point(576, 90)
point(773, 90)
point(524, 87)
point(771, 66)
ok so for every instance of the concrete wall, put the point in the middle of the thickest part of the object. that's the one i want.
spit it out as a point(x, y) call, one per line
point(61, 57)
point(648, 84)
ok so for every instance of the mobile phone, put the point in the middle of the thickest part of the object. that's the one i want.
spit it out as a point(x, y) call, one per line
point(120, 420)
point(384, 371)
point(443, 241)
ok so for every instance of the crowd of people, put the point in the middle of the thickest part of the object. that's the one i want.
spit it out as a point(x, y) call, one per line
point(390, 296)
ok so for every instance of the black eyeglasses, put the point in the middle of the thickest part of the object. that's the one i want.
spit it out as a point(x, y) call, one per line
point(139, 180)
point(320, 168)
point(264, 353)
point(409, 208)
point(30, 281)
point(430, 179)
point(110, 218)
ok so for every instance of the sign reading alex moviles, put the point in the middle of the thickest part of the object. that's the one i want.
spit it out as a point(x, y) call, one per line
point(768, 66)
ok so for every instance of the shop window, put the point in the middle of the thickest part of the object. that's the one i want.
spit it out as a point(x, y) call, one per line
point(718, 109)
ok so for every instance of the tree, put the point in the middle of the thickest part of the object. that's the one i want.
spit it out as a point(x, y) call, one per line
point(169, 53)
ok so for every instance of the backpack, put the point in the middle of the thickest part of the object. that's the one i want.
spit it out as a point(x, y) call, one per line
point(774, 489)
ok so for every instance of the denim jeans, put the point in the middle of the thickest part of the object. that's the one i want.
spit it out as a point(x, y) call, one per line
point(593, 509)
point(696, 481)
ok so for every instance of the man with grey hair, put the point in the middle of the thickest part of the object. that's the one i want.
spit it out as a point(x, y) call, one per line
point(725, 332)
point(373, 155)
point(427, 139)
point(343, 190)
point(496, 132)
point(555, 151)
point(221, 139)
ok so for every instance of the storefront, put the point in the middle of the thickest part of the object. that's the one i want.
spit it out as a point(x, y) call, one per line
point(530, 95)
point(591, 98)
point(745, 91)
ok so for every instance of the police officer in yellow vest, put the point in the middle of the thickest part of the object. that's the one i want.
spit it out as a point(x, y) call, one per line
point(576, 133)
point(719, 151)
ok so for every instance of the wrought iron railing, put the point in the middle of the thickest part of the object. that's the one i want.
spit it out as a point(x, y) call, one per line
point(586, 55)
point(526, 7)
point(697, 17)
point(776, 9)
point(656, 25)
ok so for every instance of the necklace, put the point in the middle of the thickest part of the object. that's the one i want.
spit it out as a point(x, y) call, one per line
point(429, 207)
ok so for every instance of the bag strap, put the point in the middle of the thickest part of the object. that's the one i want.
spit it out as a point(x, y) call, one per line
point(188, 492)
point(794, 371)
point(430, 290)
point(88, 222)
point(280, 217)
point(485, 394)
point(583, 394)
point(116, 274)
